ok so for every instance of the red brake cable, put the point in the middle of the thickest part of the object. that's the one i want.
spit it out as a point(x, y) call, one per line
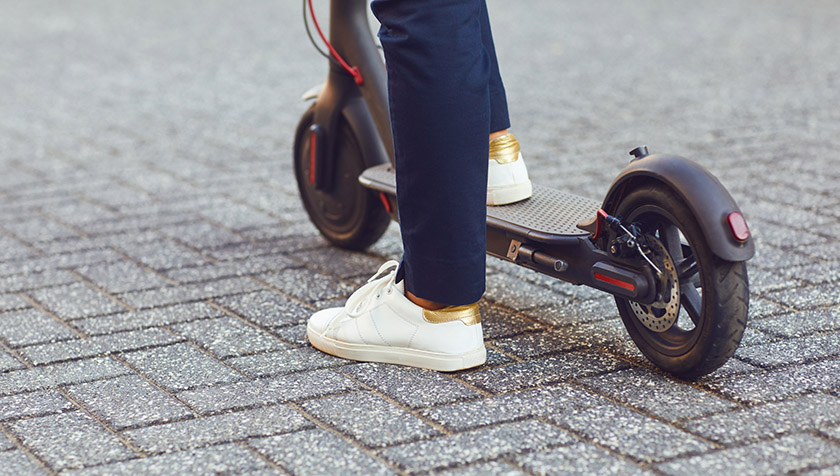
point(353, 70)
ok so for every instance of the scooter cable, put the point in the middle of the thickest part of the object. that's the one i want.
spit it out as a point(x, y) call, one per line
point(353, 70)
point(312, 38)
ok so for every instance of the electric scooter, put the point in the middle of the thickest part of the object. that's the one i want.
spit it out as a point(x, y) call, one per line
point(667, 241)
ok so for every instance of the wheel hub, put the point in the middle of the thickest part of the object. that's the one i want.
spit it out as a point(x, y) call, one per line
point(659, 316)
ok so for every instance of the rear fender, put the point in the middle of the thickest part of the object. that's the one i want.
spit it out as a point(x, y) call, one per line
point(701, 191)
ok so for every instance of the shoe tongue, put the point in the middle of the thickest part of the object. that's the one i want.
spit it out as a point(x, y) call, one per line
point(400, 286)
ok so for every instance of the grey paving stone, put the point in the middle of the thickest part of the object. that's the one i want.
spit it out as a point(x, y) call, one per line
point(534, 344)
point(761, 308)
point(9, 302)
point(75, 301)
point(494, 358)
point(821, 272)
point(753, 336)
point(229, 337)
point(513, 406)
point(630, 433)
point(732, 368)
point(201, 235)
point(122, 276)
point(829, 471)
point(11, 249)
point(832, 432)
point(179, 367)
point(229, 427)
point(791, 351)
point(307, 285)
point(17, 463)
point(295, 335)
point(763, 281)
point(801, 323)
point(28, 281)
point(403, 384)
point(808, 297)
point(369, 419)
point(781, 456)
point(7, 362)
point(318, 452)
point(33, 404)
point(285, 388)
point(534, 373)
point(160, 316)
point(190, 292)
point(773, 258)
point(31, 326)
point(5, 443)
point(517, 294)
point(267, 308)
point(472, 446)
point(65, 373)
point(221, 459)
point(245, 266)
point(769, 420)
point(238, 216)
point(578, 459)
point(70, 440)
point(494, 467)
point(97, 345)
point(284, 362)
point(57, 262)
point(244, 252)
point(128, 401)
point(781, 383)
point(164, 254)
point(37, 228)
point(655, 394)
point(342, 263)
point(574, 311)
point(498, 323)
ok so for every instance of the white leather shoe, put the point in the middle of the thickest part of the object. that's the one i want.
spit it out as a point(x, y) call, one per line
point(507, 176)
point(380, 324)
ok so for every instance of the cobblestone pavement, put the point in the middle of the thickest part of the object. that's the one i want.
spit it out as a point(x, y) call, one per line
point(157, 267)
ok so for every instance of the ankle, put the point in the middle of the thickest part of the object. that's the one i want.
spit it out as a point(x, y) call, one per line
point(494, 135)
point(424, 303)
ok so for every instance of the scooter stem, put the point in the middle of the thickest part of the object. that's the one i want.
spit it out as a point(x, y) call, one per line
point(351, 36)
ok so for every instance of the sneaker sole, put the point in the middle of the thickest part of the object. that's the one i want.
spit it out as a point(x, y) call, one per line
point(510, 194)
point(397, 355)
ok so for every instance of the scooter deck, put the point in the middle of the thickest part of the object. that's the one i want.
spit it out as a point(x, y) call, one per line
point(548, 216)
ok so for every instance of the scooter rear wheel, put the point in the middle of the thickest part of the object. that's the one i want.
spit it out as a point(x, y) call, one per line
point(703, 331)
point(347, 215)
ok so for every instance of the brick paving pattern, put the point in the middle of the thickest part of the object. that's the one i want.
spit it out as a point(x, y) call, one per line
point(157, 267)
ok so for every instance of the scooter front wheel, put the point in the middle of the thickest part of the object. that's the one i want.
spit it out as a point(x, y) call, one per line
point(347, 214)
point(702, 301)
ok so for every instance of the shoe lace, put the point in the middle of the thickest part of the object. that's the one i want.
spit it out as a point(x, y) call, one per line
point(360, 300)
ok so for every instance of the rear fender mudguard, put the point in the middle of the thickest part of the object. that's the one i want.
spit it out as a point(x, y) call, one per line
point(701, 191)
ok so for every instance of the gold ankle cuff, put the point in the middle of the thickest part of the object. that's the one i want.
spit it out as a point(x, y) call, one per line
point(504, 149)
point(467, 314)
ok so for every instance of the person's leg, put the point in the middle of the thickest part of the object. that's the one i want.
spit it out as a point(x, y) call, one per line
point(438, 76)
point(438, 73)
point(508, 180)
point(499, 117)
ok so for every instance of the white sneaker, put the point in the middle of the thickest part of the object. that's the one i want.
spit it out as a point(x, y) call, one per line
point(380, 324)
point(507, 177)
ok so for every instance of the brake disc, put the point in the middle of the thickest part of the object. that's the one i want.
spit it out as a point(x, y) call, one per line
point(659, 316)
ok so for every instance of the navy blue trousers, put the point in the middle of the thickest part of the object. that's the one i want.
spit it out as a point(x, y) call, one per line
point(445, 97)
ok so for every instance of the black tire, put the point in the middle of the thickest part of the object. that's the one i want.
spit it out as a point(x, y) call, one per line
point(349, 216)
point(714, 294)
